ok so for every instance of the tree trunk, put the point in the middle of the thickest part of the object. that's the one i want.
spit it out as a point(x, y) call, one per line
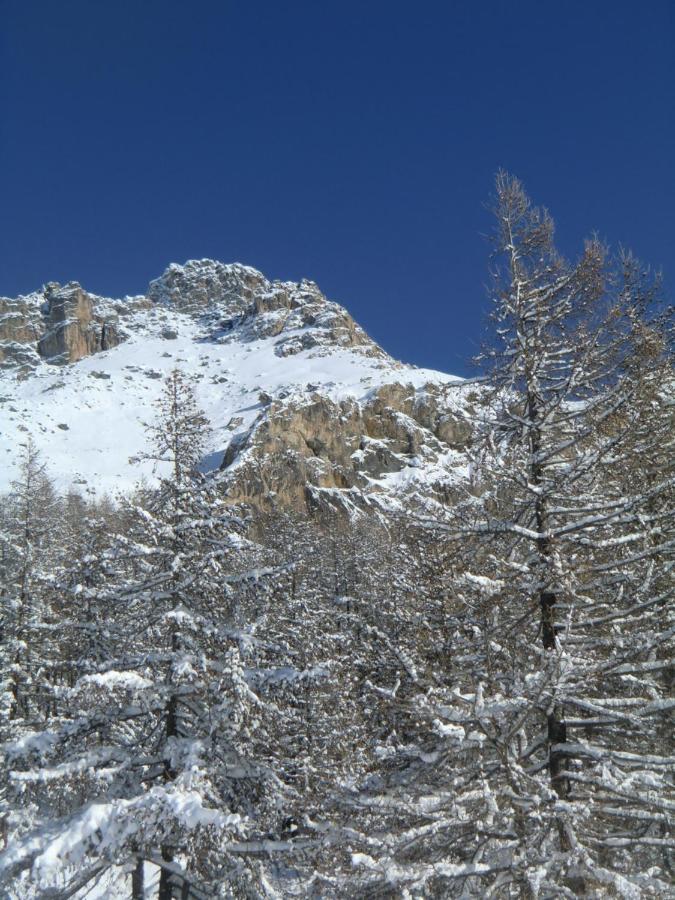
point(166, 877)
point(547, 602)
point(556, 728)
point(137, 882)
point(557, 764)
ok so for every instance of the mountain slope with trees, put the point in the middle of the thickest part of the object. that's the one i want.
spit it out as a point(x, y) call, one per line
point(406, 637)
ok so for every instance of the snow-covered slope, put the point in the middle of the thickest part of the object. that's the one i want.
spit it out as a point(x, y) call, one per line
point(258, 351)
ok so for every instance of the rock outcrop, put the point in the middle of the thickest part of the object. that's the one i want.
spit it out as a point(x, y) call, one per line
point(204, 285)
point(63, 324)
point(21, 327)
point(236, 302)
point(58, 325)
point(298, 447)
point(74, 329)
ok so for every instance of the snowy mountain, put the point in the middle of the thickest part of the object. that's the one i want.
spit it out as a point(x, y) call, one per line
point(301, 401)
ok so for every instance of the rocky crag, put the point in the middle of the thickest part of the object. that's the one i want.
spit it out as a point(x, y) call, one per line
point(59, 324)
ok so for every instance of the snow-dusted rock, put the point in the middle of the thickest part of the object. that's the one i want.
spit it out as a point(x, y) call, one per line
point(73, 328)
point(204, 284)
point(374, 446)
point(59, 324)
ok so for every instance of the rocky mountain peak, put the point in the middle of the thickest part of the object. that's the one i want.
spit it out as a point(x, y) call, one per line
point(237, 302)
point(204, 284)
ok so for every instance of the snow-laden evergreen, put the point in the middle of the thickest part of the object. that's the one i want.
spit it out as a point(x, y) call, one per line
point(551, 774)
point(146, 754)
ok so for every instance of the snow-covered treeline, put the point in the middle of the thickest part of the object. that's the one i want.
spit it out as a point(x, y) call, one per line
point(200, 700)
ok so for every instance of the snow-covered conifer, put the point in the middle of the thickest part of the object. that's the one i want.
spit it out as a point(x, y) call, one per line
point(547, 776)
point(151, 763)
point(28, 548)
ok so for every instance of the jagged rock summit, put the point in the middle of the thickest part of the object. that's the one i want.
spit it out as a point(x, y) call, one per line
point(63, 324)
point(304, 406)
point(237, 298)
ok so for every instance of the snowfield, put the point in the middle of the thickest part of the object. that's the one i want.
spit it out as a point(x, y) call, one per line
point(88, 418)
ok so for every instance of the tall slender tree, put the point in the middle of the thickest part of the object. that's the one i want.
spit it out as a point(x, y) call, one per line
point(28, 557)
point(536, 740)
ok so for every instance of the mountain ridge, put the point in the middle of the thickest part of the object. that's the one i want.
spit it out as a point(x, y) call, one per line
point(300, 399)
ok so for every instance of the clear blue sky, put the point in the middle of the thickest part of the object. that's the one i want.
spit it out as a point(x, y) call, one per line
point(349, 142)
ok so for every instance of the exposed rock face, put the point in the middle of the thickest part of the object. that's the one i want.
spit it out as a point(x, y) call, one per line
point(202, 285)
point(238, 302)
point(74, 329)
point(296, 449)
point(59, 325)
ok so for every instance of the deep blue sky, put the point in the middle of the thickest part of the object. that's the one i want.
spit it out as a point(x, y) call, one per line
point(350, 142)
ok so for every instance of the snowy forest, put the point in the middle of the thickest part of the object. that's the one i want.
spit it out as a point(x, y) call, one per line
point(471, 698)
